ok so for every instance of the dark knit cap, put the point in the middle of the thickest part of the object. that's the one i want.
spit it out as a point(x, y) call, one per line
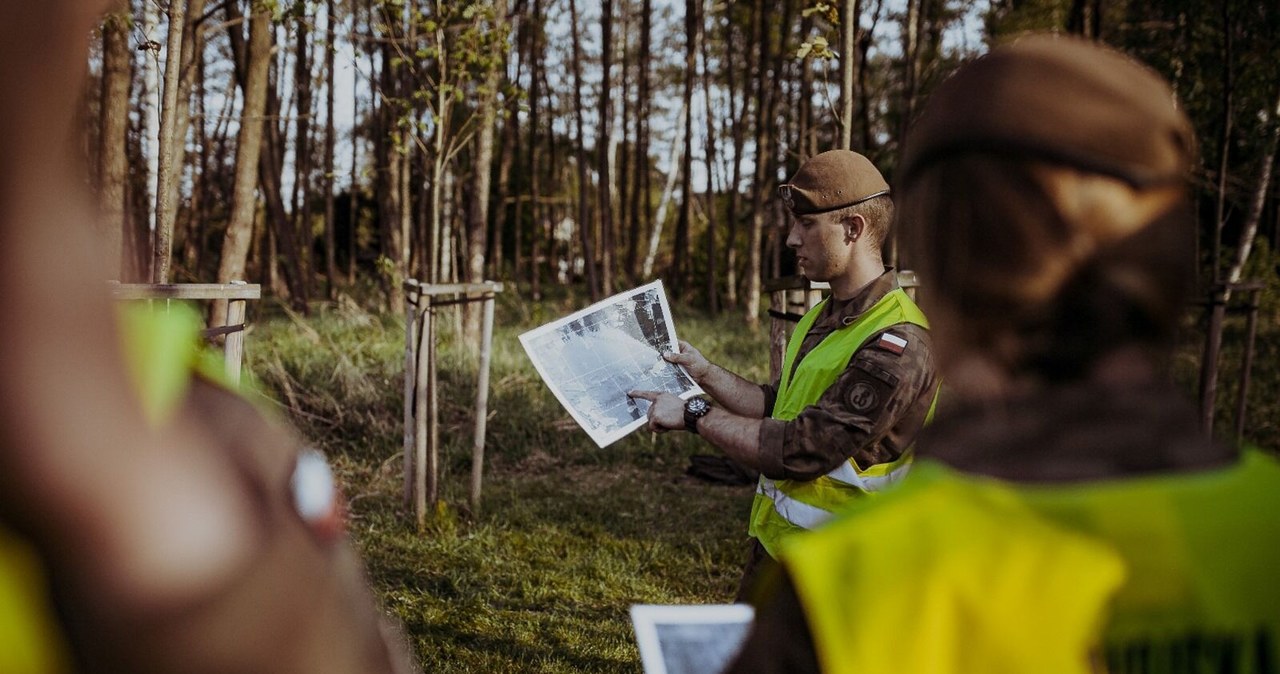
point(832, 180)
point(1062, 100)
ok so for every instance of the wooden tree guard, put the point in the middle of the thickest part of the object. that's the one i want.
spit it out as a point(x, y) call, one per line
point(236, 293)
point(421, 406)
point(1217, 307)
point(790, 297)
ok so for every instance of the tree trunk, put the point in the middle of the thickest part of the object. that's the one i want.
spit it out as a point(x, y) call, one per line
point(680, 266)
point(537, 216)
point(113, 136)
point(660, 218)
point(1250, 231)
point(737, 92)
point(585, 225)
point(1228, 89)
point(604, 143)
point(640, 193)
point(387, 167)
point(330, 226)
point(168, 151)
point(850, 12)
point(478, 227)
point(303, 160)
point(235, 246)
point(713, 298)
point(151, 124)
point(764, 163)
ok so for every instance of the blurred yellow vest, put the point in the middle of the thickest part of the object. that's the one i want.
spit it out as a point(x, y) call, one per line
point(954, 573)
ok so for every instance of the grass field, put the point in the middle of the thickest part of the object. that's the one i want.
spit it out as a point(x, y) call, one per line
point(569, 535)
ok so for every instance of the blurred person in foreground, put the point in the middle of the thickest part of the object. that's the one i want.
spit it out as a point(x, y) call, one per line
point(857, 379)
point(143, 527)
point(1067, 513)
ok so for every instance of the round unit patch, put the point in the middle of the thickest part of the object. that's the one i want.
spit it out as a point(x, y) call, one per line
point(862, 397)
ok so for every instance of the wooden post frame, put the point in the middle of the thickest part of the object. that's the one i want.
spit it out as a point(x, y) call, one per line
point(421, 415)
point(236, 293)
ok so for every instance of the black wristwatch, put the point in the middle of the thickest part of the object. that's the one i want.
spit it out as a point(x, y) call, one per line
point(695, 409)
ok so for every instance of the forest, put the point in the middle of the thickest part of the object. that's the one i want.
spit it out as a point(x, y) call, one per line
point(320, 146)
point(329, 150)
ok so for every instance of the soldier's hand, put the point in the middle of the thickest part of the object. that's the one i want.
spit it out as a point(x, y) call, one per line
point(666, 413)
point(692, 359)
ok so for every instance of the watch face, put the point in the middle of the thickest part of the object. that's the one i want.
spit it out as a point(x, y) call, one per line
point(697, 406)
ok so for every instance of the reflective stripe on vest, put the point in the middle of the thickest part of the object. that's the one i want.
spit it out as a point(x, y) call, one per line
point(782, 507)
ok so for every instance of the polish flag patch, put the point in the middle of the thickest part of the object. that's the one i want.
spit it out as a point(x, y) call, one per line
point(892, 343)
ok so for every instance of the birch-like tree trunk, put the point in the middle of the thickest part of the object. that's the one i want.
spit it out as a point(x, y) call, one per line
point(1250, 230)
point(169, 151)
point(151, 121)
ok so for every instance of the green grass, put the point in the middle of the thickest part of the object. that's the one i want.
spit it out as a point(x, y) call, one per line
point(569, 535)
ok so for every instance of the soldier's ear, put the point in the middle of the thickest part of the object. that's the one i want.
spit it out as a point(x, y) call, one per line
point(854, 227)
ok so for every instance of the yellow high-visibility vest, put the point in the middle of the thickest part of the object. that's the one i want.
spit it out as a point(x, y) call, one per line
point(954, 573)
point(783, 507)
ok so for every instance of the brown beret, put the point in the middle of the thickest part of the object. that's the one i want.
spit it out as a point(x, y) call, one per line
point(1062, 100)
point(832, 180)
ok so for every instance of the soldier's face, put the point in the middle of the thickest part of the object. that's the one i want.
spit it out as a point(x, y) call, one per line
point(822, 245)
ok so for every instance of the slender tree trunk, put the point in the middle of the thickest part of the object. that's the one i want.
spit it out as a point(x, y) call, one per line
point(537, 215)
point(1228, 88)
point(151, 123)
point(625, 152)
point(737, 94)
point(641, 220)
point(354, 189)
point(330, 226)
point(864, 94)
point(604, 143)
point(680, 266)
point(764, 163)
point(713, 298)
point(113, 136)
point(585, 225)
point(269, 156)
point(478, 227)
point(387, 139)
point(850, 13)
point(303, 159)
point(169, 152)
point(235, 246)
point(1250, 230)
point(660, 218)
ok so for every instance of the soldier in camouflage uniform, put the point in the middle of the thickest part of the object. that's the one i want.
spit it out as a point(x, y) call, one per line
point(858, 380)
